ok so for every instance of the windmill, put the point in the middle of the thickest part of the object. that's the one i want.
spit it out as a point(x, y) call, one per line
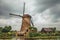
point(26, 21)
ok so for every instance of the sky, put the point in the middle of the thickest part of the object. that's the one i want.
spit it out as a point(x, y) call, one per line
point(45, 13)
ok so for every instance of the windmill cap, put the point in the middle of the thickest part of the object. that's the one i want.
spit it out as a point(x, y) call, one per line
point(27, 15)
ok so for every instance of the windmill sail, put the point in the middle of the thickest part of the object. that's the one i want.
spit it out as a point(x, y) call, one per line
point(32, 23)
point(24, 8)
point(15, 15)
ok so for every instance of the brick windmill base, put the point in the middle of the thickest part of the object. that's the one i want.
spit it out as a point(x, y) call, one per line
point(26, 23)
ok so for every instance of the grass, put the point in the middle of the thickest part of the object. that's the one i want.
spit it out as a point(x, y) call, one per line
point(45, 37)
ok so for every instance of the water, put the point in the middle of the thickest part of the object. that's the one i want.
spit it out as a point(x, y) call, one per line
point(29, 39)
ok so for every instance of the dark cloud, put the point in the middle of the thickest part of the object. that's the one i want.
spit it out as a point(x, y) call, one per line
point(55, 12)
point(52, 5)
point(42, 5)
point(14, 6)
point(6, 8)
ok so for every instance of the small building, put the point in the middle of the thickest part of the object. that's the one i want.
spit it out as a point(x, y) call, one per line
point(48, 30)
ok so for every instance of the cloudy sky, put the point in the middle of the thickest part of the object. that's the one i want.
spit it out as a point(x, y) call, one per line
point(45, 13)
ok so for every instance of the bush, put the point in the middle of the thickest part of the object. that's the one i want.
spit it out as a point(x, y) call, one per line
point(34, 34)
point(6, 29)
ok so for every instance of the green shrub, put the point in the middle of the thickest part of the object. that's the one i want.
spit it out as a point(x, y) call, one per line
point(34, 34)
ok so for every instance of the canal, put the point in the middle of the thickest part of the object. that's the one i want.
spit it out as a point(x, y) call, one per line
point(29, 39)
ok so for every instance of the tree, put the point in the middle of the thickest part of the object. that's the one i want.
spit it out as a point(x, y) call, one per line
point(1, 30)
point(54, 29)
point(34, 29)
point(9, 28)
point(6, 29)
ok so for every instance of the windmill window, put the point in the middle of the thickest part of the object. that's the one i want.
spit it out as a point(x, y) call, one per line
point(25, 33)
point(27, 30)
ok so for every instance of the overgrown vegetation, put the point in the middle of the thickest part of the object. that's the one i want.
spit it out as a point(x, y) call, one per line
point(33, 29)
point(33, 33)
point(5, 32)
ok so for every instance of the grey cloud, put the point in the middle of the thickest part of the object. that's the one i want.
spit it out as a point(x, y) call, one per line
point(42, 5)
point(55, 12)
point(6, 8)
point(52, 5)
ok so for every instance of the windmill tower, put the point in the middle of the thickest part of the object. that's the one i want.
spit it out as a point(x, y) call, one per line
point(26, 22)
